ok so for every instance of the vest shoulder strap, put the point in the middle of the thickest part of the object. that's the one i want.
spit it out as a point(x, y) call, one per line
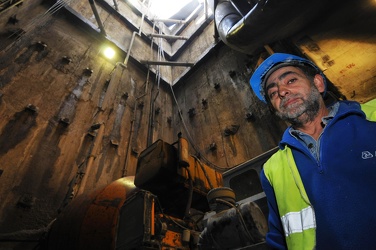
point(369, 108)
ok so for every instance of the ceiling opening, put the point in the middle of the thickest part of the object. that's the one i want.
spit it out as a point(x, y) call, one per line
point(172, 9)
point(168, 11)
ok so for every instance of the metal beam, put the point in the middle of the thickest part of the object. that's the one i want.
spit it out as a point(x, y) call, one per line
point(168, 20)
point(184, 64)
point(8, 4)
point(97, 17)
point(116, 5)
point(169, 37)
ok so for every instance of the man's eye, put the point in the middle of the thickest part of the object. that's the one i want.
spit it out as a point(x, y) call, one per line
point(272, 94)
point(292, 80)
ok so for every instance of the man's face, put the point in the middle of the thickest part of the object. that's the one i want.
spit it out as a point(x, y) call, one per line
point(294, 97)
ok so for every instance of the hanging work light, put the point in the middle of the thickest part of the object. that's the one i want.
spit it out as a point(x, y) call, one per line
point(109, 52)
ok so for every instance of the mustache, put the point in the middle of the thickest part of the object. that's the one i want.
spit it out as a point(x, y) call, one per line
point(287, 99)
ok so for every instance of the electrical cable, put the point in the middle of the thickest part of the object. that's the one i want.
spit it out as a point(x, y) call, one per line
point(190, 139)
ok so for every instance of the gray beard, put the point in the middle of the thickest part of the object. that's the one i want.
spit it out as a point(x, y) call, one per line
point(302, 113)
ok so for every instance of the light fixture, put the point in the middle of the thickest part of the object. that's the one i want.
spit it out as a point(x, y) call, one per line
point(109, 52)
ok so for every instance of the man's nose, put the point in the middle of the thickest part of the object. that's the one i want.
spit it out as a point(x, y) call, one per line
point(283, 90)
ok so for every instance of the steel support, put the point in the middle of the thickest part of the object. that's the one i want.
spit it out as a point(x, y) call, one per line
point(5, 5)
point(169, 37)
point(116, 5)
point(97, 17)
point(168, 20)
point(184, 64)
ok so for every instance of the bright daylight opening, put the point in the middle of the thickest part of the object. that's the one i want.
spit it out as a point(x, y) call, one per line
point(165, 9)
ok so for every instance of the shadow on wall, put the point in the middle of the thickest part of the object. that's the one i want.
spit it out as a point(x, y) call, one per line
point(18, 128)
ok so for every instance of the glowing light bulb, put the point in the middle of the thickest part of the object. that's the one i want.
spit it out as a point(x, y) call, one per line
point(109, 53)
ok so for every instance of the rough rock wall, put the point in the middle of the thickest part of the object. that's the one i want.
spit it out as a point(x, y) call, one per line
point(343, 44)
point(71, 120)
point(227, 123)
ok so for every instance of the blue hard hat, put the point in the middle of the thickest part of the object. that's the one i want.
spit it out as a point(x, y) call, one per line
point(261, 74)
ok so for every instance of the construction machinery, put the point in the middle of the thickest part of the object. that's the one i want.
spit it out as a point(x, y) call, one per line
point(174, 201)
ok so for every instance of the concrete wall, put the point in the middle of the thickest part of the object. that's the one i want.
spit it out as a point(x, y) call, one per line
point(343, 45)
point(226, 111)
point(71, 120)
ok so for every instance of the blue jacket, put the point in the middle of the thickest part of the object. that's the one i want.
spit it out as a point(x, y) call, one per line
point(341, 185)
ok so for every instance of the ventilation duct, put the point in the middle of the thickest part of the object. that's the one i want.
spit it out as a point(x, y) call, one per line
point(266, 22)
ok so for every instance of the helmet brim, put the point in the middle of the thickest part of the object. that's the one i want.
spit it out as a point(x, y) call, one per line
point(271, 64)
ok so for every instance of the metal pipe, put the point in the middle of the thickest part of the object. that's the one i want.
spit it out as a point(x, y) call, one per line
point(167, 63)
point(169, 36)
point(97, 17)
point(132, 39)
point(10, 2)
point(10, 5)
point(246, 33)
point(168, 20)
point(116, 5)
point(206, 9)
point(129, 48)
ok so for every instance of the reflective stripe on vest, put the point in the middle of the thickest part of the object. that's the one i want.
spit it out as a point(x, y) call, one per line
point(296, 213)
point(296, 222)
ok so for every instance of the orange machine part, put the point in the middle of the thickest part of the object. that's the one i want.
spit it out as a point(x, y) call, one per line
point(90, 221)
point(172, 239)
point(204, 178)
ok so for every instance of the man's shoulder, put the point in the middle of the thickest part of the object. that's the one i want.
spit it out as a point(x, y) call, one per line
point(278, 157)
point(349, 104)
point(369, 108)
point(349, 107)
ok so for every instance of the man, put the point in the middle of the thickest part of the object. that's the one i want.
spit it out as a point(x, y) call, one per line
point(321, 184)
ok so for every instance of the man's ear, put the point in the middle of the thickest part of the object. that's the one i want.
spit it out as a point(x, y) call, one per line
point(319, 82)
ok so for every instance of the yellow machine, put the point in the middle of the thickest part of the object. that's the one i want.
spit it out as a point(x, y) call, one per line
point(173, 202)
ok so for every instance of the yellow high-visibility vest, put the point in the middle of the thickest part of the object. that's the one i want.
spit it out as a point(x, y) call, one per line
point(296, 212)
